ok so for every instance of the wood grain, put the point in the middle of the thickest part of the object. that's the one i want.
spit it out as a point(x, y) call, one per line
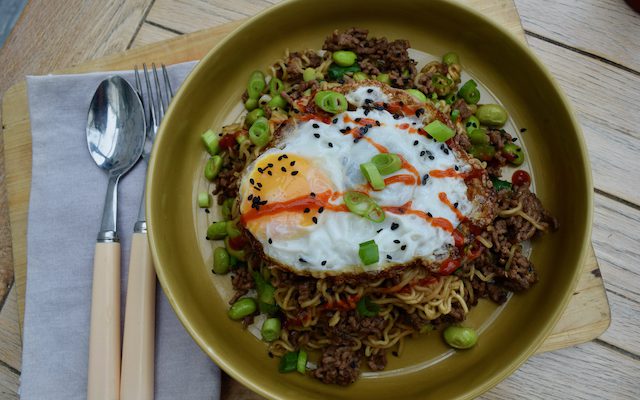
point(11, 338)
point(36, 46)
point(606, 28)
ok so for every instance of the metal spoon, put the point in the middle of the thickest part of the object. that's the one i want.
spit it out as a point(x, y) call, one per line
point(115, 136)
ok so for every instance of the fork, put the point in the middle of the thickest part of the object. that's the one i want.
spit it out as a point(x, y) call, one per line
point(138, 345)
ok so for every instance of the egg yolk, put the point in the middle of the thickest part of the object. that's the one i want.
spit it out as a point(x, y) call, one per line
point(278, 178)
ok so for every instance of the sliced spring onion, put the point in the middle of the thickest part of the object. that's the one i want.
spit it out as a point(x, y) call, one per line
point(271, 329)
point(266, 294)
point(275, 87)
point(277, 101)
point(359, 76)
point(212, 167)
point(232, 229)
point(253, 116)
point(366, 307)
point(256, 84)
point(499, 184)
point(217, 230)
point(301, 365)
point(455, 114)
point(239, 254)
point(372, 175)
point(387, 163)
point(288, 362)
point(441, 82)
point(368, 252)
point(384, 78)
point(364, 206)
point(331, 102)
point(211, 142)
point(469, 92)
point(204, 200)
point(336, 72)
point(251, 104)
point(439, 131)
point(259, 133)
point(309, 74)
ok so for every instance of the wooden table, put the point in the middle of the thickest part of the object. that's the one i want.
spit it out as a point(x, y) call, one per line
point(592, 48)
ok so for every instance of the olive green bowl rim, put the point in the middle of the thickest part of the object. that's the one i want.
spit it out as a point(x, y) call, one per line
point(525, 352)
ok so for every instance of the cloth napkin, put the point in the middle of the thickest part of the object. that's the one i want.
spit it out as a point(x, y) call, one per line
point(67, 197)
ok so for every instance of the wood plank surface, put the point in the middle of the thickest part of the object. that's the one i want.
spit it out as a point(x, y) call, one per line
point(598, 89)
point(606, 28)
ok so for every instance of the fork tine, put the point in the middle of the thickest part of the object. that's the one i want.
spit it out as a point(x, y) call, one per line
point(152, 111)
point(160, 99)
point(167, 84)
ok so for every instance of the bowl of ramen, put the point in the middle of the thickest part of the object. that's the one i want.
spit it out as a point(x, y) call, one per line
point(365, 205)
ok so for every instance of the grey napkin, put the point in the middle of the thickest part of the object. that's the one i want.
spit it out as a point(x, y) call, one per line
point(67, 196)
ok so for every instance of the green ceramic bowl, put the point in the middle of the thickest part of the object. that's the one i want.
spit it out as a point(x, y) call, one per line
point(554, 147)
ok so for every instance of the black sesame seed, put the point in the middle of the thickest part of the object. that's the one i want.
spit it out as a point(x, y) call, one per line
point(270, 165)
point(320, 210)
point(260, 170)
point(456, 168)
point(306, 210)
point(394, 226)
point(368, 101)
point(292, 163)
point(316, 135)
point(312, 194)
point(419, 112)
point(431, 157)
point(281, 157)
point(356, 140)
point(429, 214)
point(270, 241)
point(364, 130)
point(316, 126)
point(343, 130)
point(396, 116)
point(358, 119)
point(302, 260)
point(422, 153)
point(377, 123)
point(515, 139)
point(446, 151)
point(455, 204)
point(250, 197)
point(207, 237)
point(259, 184)
point(271, 354)
point(315, 220)
point(251, 181)
point(395, 354)
point(396, 241)
point(367, 111)
point(415, 142)
point(403, 247)
point(424, 179)
point(379, 230)
point(324, 262)
point(283, 169)
point(269, 172)
point(379, 108)
point(285, 156)
point(369, 90)
point(330, 144)
point(388, 257)
point(294, 173)
point(523, 130)
point(207, 210)
point(335, 120)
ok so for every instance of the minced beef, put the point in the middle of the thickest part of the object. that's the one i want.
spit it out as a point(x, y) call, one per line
point(338, 364)
point(378, 361)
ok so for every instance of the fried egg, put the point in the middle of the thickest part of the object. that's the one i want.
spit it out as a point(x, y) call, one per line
point(291, 196)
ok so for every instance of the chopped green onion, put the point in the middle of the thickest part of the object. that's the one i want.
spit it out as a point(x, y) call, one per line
point(259, 133)
point(256, 84)
point(277, 101)
point(309, 74)
point(483, 152)
point(251, 104)
point(368, 252)
point(455, 114)
point(289, 362)
point(211, 142)
point(271, 329)
point(266, 294)
point(242, 308)
point(372, 175)
point(212, 167)
point(331, 102)
point(336, 72)
point(301, 365)
point(366, 307)
point(439, 131)
point(364, 206)
point(469, 92)
point(232, 229)
point(478, 136)
point(221, 261)
point(499, 184)
point(451, 98)
point(242, 138)
point(387, 163)
point(441, 82)
point(204, 200)
point(253, 116)
point(417, 94)
point(275, 87)
point(451, 58)
point(227, 205)
point(384, 78)
point(217, 230)
point(359, 76)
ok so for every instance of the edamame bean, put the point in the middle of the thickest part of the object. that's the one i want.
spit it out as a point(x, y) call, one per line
point(242, 308)
point(478, 136)
point(221, 261)
point(226, 208)
point(217, 230)
point(384, 78)
point(492, 115)
point(359, 76)
point(514, 153)
point(451, 58)
point(344, 58)
point(271, 329)
point(232, 229)
point(417, 94)
point(277, 102)
point(213, 167)
point(309, 74)
point(483, 152)
point(460, 337)
point(471, 123)
point(253, 116)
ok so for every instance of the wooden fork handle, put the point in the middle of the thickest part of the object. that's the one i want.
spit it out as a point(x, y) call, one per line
point(139, 324)
point(104, 340)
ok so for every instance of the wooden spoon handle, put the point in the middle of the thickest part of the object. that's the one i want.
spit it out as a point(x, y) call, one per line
point(104, 341)
point(139, 324)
